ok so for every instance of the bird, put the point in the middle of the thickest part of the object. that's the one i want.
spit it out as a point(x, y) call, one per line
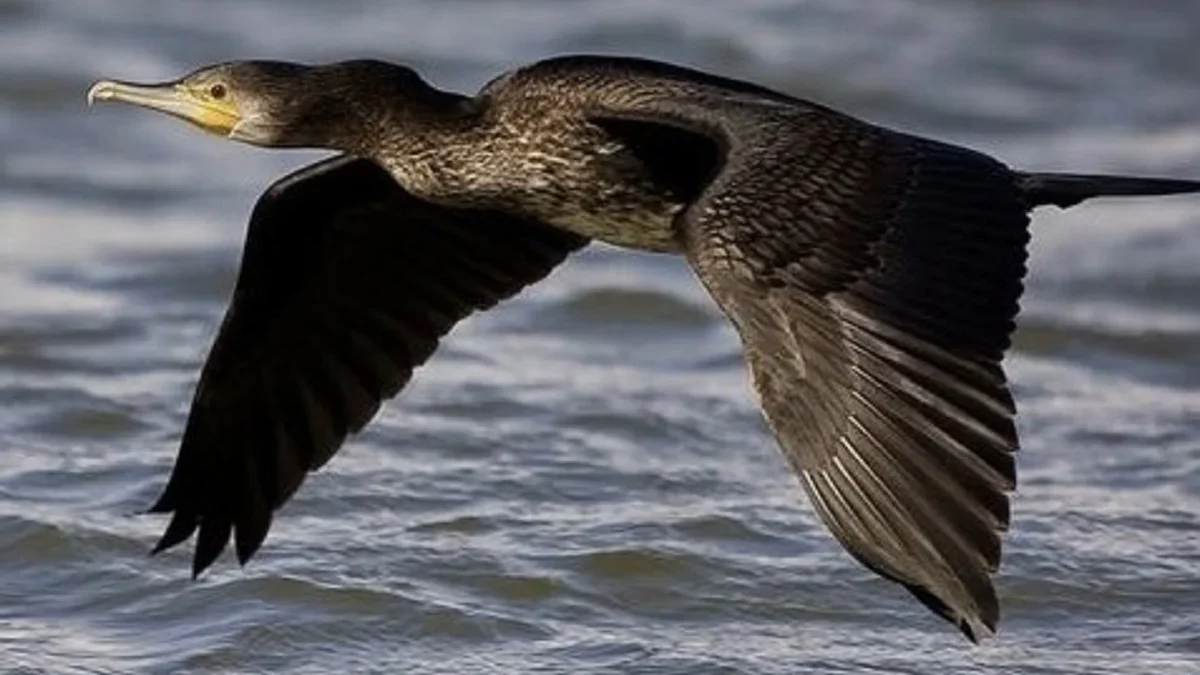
point(873, 277)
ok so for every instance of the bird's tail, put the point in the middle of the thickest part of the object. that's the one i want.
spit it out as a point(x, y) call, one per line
point(1067, 189)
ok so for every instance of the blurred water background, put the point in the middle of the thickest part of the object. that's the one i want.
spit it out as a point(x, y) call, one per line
point(580, 482)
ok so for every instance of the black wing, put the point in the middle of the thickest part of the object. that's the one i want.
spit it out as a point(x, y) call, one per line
point(873, 278)
point(347, 283)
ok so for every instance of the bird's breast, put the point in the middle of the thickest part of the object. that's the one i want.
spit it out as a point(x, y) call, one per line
point(600, 191)
point(640, 228)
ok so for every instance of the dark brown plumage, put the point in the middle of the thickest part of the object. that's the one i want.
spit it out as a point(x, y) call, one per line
point(347, 284)
point(873, 277)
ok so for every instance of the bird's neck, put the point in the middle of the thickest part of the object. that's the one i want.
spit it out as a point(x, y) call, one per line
point(444, 152)
point(366, 118)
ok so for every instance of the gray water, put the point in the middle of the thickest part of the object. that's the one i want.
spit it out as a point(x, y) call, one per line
point(579, 481)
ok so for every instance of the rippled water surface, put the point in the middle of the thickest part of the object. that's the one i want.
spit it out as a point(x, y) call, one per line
point(580, 482)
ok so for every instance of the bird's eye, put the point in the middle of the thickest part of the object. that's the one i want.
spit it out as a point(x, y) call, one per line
point(217, 91)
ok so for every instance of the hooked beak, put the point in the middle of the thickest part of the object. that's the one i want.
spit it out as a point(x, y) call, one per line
point(217, 117)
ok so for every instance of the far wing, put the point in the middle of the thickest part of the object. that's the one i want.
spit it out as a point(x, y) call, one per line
point(874, 279)
point(347, 283)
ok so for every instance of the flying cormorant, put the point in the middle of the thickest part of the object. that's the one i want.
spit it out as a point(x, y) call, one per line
point(873, 277)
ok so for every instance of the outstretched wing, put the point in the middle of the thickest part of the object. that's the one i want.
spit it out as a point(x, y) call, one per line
point(873, 278)
point(346, 285)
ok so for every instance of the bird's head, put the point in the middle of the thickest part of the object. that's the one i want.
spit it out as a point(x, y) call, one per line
point(274, 103)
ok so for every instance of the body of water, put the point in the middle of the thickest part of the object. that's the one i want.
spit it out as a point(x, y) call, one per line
point(579, 481)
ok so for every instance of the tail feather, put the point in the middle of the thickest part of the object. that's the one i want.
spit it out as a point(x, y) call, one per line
point(1065, 189)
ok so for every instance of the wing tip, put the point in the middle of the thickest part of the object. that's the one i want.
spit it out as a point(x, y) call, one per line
point(248, 533)
point(183, 524)
point(976, 629)
point(248, 540)
point(211, 542)
point(977, 623)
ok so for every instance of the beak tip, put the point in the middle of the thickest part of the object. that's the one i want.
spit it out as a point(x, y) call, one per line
point(102, 90)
